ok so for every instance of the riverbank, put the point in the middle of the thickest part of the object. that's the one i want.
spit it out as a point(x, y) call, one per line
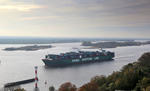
point(132, 77)
point(28, 48)
point(113, 44)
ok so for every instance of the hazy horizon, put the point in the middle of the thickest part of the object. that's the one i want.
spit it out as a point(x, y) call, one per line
point(49, 40)
point(46, 37)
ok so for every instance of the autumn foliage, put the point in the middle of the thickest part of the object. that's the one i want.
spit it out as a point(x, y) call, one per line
point(67, 87)
point(132, 77)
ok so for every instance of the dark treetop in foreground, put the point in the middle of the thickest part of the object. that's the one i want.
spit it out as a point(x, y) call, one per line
point(113, 44)
point(28, 48)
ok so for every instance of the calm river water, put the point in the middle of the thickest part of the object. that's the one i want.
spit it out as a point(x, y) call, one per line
point(19, 65)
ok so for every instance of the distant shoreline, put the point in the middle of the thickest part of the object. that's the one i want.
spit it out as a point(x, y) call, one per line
point(113, 44)
point(28, 48)
point(48, 40)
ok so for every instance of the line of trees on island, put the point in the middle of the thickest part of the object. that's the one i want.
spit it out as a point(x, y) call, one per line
point(132, 77)
point(113, 44)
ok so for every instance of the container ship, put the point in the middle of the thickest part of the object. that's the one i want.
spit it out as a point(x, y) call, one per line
point(80, 57)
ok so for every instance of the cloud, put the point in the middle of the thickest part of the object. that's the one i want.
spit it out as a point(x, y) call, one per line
point(18, 6)
point(40, 17)
point(87, 16)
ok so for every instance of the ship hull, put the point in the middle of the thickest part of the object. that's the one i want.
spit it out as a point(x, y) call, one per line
point(68, 62)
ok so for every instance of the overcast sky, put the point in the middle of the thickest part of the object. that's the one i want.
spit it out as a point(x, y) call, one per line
point(75, 18)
